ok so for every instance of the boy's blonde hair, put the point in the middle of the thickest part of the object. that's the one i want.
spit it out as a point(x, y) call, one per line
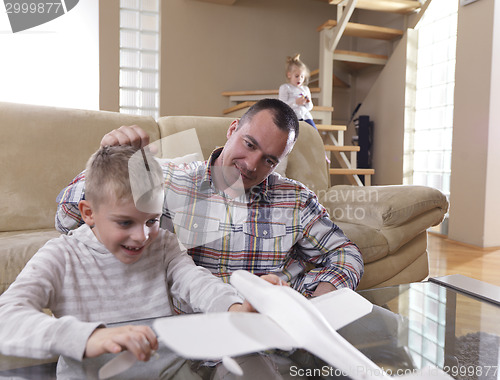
point(123, 173)
point(295, 61)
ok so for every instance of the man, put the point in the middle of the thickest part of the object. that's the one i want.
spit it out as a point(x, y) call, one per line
point(233, 212)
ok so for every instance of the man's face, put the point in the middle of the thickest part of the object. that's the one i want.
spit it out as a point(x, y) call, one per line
point(124, 230)
point(253, 150)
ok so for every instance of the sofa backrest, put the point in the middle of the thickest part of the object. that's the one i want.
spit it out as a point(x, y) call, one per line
point(41, 150)
point(306, 162)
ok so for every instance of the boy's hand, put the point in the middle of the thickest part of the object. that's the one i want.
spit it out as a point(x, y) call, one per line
point(126, 135)
point(246, 306)
point(139, 340)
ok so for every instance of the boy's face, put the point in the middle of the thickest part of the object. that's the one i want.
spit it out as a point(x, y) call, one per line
point(123, 230)
point(296, 76)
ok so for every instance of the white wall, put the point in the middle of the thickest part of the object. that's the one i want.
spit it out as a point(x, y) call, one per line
point(475, 180)
point(385, 104)
point(492, 220)
point(209, 48)
point(56, 63)
point(475, 168)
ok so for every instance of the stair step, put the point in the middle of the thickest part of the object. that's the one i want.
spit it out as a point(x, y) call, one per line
point(341, 171)
point(365, 31)
point(359, 57)
point(243, 105)
point(342, 148)
point(238, 107)
point(322, 108)
point(337, 82)
point(330, 128)
point(395, 6)
point(261, 92)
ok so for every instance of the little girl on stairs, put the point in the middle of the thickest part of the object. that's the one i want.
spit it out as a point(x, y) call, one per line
point(295, 93)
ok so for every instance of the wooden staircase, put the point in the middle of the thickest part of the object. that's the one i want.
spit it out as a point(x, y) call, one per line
point(396, 6)
point(240, 101)
point(348, 165)
point(323, 80)
point(331, 32)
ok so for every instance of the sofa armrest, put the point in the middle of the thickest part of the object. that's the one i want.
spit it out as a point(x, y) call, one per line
point(382, 206)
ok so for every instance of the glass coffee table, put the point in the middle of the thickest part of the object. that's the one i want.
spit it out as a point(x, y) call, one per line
point(451, 322)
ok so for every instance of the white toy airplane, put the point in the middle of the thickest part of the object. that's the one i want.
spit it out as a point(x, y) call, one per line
point(285, 320)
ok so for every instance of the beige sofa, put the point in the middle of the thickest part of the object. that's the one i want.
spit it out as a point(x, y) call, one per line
point(43, 148)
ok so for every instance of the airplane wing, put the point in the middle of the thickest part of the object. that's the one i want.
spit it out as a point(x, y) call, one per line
point(287, 320)
point(342, 307)
point(215, 335)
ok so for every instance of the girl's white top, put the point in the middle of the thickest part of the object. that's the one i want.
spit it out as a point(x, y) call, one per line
point(288, 93)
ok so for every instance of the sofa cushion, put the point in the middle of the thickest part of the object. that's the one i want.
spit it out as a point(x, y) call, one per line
point(382, 206)
point(306, 162)
point(16, 249)
point(417, 270)
point(209, 131)
point(42, 149)
point(181, 147)
point(376, 243)
point(387, 267)
point(372, 244)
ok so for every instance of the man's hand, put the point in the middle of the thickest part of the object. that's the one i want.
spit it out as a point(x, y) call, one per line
point(246, 306)
point(139, 340)
point(323, 288)
point(126, 135)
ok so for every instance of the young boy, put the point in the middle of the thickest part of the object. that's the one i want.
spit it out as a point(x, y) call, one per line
point(118, 266)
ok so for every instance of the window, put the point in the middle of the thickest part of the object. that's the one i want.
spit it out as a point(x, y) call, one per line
point(55, 63)
point(139, 57)
point(429, 138)
point(427, 328)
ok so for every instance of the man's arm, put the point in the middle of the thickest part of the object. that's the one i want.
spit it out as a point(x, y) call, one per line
point(337, 262)
point(67, 214)
point(323, 288)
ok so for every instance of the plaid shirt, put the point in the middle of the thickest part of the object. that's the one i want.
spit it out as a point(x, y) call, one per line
point(277, 227)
